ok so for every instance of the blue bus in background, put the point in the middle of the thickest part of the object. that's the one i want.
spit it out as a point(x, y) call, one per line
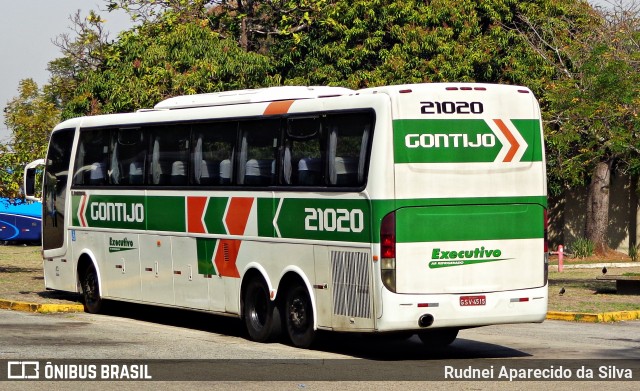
point(20, 221)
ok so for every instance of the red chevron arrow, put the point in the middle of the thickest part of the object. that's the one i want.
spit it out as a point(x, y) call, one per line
point(512, 140)
point(195, 211)
point(82, 210)
point(235, 220)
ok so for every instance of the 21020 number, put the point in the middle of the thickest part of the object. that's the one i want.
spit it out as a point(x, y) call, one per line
point(332, 220)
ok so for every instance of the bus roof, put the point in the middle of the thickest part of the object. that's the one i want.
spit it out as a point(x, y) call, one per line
point(251, 96)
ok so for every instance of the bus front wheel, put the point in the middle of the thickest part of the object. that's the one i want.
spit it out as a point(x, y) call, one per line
point(91, 290)
point(261, 316)
point(298, 314)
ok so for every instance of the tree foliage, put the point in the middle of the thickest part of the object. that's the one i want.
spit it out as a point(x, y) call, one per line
point(83, 52)
point(592, 105)
point(160, 60)
point(30, 116)
point(366, 43)
point(257, 25)
point(589, 102)
point(252, 23)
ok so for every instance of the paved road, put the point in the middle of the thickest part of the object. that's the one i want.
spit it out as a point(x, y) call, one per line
point(150, 332)
point(141, 332)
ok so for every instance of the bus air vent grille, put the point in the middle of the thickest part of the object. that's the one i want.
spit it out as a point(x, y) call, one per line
point(350, 279)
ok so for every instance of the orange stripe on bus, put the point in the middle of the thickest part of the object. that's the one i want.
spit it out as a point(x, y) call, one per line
point(226, 256)
point(279, 107)
point(236, 220)
point(83, 210)
point(195, 211)
point(238, 214)
point(510, 138)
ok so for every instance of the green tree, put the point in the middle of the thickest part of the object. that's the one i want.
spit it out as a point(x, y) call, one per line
point(30, 117)
point(83, 52)
point(163, 59)
point(152, 11)
point(365, 43)
point(257, 25)
point(592, 108)
point(254, 24)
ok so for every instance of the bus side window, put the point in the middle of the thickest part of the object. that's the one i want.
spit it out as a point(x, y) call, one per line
point(258, 149)
point(302, 161)
point(349, 136)
point(213, 153)
point(128, 157)
point(169, 155)
point(92, 157)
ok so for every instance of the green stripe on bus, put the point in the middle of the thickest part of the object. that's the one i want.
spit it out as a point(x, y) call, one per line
point(75, 204)
point(266, 212)
point(214, 214)
point(205, 249)
point(463, 223)
point(112, 211)
point(166, 214)
point(458, 141)
point(382, 207)
point(530, 131)
point(330, 219)
point(324, 219)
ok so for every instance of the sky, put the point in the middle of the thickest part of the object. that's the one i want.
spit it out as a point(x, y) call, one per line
point(27, 31)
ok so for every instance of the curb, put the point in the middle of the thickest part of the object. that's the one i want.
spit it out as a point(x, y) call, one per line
point(597, 265)
point(594, 318)
point(41, 308)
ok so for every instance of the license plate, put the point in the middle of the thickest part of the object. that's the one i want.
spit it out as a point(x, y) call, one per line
point(472, 300)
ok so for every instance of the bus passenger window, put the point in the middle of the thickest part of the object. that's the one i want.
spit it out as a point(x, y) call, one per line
point(169, 155)
point(127, 161)
point(225, 172)
point(136, 173)
point(309, 171)
point(258, 152)
point(92, 157)
point(303, 152)
point(348, 148)
point(212, 153)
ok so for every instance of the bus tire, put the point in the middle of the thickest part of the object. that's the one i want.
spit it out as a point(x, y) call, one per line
point(438, 338)
point(260, 314)
point(91, 290)
point(298, 317)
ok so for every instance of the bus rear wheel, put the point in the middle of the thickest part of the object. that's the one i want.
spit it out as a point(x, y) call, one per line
point(438, 338)
point(91, 290)
point(260, 315)
point(298, 314)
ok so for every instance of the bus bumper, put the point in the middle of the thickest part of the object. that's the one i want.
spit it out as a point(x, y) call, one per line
point(404, 311)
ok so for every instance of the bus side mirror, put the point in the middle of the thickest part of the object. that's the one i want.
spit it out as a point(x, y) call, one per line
point(29, 186)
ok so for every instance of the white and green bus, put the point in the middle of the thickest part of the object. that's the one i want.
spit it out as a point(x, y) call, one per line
point(415, 209)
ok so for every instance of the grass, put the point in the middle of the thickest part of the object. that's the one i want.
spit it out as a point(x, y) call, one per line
point(583, 293)
point(21, 279)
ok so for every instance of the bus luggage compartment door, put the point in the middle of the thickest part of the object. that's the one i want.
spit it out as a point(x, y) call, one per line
point(469, 248)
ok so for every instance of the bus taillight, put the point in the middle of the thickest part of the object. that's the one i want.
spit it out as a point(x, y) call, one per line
point(546, 231)
point(388, 251)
